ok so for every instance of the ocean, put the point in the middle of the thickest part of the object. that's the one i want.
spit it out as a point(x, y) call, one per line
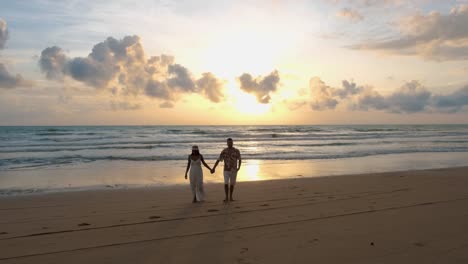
point(39, 148)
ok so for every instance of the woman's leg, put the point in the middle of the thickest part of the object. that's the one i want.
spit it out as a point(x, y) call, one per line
point(193, 185)
point(201, 191)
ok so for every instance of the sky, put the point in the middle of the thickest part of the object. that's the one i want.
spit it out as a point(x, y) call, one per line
point(240, 62)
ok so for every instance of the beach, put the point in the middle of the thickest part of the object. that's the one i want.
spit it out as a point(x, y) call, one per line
point(417, 216)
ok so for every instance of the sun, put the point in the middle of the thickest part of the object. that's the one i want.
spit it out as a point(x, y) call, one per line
point(245, 103)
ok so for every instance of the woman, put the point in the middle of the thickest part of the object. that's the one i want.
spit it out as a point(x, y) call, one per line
point(196, 174)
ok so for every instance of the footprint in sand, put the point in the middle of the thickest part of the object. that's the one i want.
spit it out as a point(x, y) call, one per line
point(265, 205)
point(237, 207)
point(154, 217)
point(45, 227)
point(212, 210)
point(419, 244)
point(83, 224)
point(3, 233)
point(243, 250)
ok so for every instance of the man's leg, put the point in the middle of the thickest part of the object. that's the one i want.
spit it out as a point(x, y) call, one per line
point(232, 190)
point(226, 189)
point(226, 184)
point(233, 182)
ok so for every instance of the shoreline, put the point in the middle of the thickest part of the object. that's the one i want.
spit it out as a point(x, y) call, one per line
point(185, 185)
point(129, 175)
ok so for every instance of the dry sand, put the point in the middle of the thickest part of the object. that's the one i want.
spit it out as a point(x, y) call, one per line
point(400, 217)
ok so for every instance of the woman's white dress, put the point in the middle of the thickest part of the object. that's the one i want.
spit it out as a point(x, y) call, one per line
point(196, 178)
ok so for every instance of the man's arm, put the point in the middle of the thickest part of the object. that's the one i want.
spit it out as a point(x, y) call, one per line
point(214, 167)
point(217, 161)
point(240, 161)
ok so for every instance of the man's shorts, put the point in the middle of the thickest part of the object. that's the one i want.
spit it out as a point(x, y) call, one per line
point(230, 177)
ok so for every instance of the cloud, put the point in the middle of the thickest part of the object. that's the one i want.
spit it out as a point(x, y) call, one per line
point(434, 36)
point(8, 80)
point(181, 78)
point(211, 87)
point(412, 97)
point(123, 105)
point(453, 102)
point(121, 67)
point(322, 95)
point(370, 3)
point(327, 97)
point(261, 87)
point(166, 105)
point(52, 62)
point(3, 33)
point(350, 14)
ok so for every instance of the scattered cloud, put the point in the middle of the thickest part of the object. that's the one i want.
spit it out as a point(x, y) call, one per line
point(327, 97)
point(211, 87)
point(350, 14)
point(166, 105)
point(8, 80)
point(123, 105)
point(3, 33)
point(453, 102)
point(412, 97)
point(434, 36)
point(261, 87)
point(121, 67)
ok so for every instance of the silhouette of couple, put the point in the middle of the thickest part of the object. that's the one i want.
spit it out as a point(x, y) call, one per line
point(230, 156)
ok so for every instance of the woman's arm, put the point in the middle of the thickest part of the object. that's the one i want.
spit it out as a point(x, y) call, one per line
point(204, 163)
point(188, 167)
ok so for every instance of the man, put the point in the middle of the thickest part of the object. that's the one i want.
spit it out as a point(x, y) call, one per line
point(230, 156)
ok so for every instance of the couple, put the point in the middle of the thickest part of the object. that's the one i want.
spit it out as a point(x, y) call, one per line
point(229, 155)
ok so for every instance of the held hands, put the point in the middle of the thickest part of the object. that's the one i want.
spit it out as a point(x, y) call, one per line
point(185, 175)
point(212, 170)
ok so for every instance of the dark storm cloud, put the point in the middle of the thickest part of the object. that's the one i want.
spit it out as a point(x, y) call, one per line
point(261, 87)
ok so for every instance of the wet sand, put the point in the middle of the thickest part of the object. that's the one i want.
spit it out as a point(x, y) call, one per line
point(396, 217)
